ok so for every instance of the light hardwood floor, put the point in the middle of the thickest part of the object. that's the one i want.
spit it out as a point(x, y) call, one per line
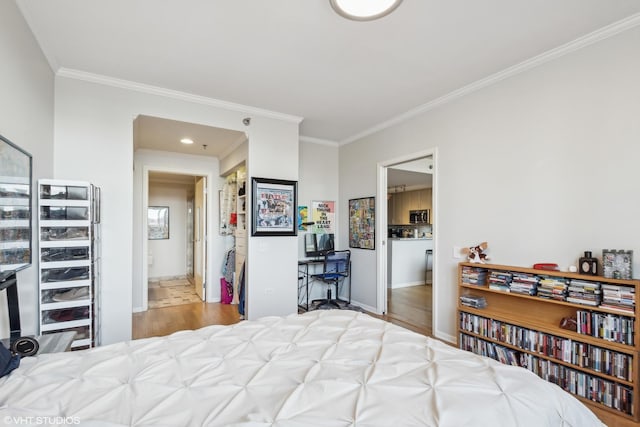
point(164, 321)
point(410, 307)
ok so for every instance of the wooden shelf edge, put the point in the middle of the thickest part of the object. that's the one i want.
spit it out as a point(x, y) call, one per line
point(551, 359)
point(610, 416)
point(485, 288)
point(554, 273)
point(550, 330)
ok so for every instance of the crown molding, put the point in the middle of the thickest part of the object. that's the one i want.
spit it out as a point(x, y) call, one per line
point(169, 93)
point(579, 43)
point(320, 141)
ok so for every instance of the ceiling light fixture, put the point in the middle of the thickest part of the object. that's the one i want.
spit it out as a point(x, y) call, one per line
point(364, 10)
point(186, 141)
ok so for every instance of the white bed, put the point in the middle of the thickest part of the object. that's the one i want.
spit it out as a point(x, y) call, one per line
point(323, 368)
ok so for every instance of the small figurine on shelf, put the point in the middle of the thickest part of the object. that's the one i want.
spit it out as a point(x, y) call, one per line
point(476, 253)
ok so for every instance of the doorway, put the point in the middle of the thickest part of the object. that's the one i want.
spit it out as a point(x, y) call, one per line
point(163, 145)
point(176, 250)
point(406, 276)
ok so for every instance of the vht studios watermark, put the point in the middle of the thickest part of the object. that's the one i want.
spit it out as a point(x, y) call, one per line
point(40, 421)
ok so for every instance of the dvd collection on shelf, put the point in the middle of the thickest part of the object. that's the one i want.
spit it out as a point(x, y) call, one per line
point(473, 301)
point(500, 280)
point(585, 355)
point(609, 393)
point(474, 275)
point(519, 316)
point(607, 326)
point(577, 291)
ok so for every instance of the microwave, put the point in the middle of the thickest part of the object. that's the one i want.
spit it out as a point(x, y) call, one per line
point(419, 216)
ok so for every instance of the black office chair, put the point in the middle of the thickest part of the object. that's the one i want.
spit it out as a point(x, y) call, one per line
point(336, 269)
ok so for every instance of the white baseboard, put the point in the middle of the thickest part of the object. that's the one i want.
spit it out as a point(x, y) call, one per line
point(138, 310)
point(406, 285)
point(365, 307)
point(167, 278)
point(445, 337)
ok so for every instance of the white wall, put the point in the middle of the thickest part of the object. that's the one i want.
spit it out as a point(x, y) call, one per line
point(151, 160)
point(93, 142)
point(541, 165)
point(233, 160)
point(272, 262)
point(168, 256)
point(26, 119)
point(318, 181)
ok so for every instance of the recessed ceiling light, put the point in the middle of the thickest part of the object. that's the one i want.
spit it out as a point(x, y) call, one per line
point(364, 10)
point(186, 141)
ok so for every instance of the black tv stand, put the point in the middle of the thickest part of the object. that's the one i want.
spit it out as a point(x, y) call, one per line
point(24, 346)
point(9, 282)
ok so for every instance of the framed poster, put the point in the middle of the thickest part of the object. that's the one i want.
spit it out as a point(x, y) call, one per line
point(158, 222)
point(274, 207)
point(323, 213)
point(362, 223)
point(303, 217)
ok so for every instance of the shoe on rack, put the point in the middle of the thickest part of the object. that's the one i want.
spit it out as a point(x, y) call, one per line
point(73, 294)
point(61, 275)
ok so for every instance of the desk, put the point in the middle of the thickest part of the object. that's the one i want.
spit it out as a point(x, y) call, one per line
point(303, 279)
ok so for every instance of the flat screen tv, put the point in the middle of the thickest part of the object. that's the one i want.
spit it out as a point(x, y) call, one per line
point(317, 245)
point(15, 207)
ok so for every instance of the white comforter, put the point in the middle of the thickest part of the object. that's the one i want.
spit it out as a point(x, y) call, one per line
point(323, 368)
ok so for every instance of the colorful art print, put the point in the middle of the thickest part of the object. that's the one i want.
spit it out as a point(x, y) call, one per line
point(362, 223)
point(274, 207)
point(303, 217)
point(323, 216)
point(617, 264)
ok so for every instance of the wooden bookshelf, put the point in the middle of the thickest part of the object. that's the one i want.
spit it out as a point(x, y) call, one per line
point(514, 328)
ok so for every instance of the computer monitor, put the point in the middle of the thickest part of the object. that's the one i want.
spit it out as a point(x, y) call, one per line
point(316, 245)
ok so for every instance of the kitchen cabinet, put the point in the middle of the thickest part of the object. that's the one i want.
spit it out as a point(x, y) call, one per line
point(395, 209)
point(426, 202)
point(399, 205)
point(414, 199)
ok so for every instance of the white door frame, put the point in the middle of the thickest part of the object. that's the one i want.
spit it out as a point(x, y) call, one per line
point(145, 241)
point(381, 228)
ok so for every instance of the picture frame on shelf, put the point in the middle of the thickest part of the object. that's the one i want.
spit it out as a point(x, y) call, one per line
point(617, 264)
point(274, 205)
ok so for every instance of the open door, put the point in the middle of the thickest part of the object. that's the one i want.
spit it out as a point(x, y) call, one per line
point(200, 237)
